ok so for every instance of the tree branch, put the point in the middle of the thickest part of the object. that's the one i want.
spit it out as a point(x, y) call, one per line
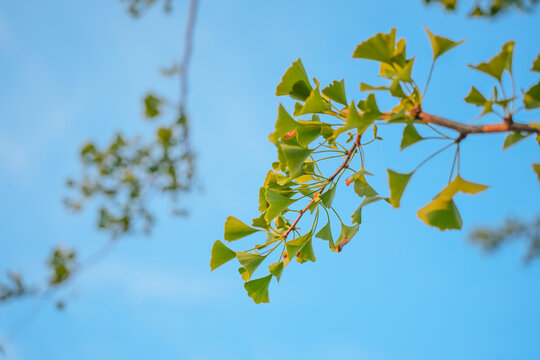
point(465, 129)
point(328, 181)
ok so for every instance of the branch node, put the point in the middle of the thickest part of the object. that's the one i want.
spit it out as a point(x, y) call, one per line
point(416, 111)
point(461, 137)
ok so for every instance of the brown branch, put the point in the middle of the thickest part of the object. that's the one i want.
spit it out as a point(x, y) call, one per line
point(465, 129)
point(350, 153)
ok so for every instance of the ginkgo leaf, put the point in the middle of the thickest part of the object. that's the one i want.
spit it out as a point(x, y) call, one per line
point(220, 255)
point(410, 136)
point(379, 47)
point(442, 212)
point(295, 157)
point(500, 62)
point(276, 204)
point(284, 124)
point(475, 97)
point(443, 215)
point(249, 261)
point(295, 82)
point(531, 98)
point(536, 64)
point(236, 229)
point(536, 168)
point(346, 235)
point(296, 245)
point(440, 45)
point(398, 182)
point(258, 289)
point(325, 233)
point(276, 269)
point(336, 92)
point(314, 104)
point(513, 138)
point(328, 196)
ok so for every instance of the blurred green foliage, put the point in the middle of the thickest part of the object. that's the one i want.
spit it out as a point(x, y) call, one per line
point(488, 8)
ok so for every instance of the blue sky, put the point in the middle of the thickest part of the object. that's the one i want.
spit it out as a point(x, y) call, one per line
point(73, 71)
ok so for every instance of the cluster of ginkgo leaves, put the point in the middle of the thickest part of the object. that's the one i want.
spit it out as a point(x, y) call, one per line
point(122, 174)
point(326, 127)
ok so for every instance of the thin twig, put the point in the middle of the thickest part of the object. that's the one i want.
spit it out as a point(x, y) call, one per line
point(344, 165)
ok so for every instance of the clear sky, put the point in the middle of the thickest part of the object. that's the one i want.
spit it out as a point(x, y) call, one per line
point(73, 71)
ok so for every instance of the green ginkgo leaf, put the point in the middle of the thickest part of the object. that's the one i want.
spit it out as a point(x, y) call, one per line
point(336, 92)
point(442, 212)
point(499, 63)
point(328, 196)
point(379, 47)
point(314, 104)
point(295, 157)
point(536, 168)
point(258, 289)
point(276, 269)
point(475, 97)
point(276, 204)
point(295, 82)
point(325, 233)
point(398, 182)
point(346, 235)
point(410, 136)
point(440, 45)
point(536, 64)
point(531, 98)
point(220, 255)
point(443, 215)
point(513, 138)
point(284, 124)
point(236, 229)
point(296, 245)
point(249, 261)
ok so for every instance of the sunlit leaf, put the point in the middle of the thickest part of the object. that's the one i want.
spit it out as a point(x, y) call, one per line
point(328, 196)
point(295, 82)
point(295, 157)
point(276, 269)
point(296, 245)
point(314, 104)
point(367, 87)
point(536, 168)
point(370, 110)
point(379, 47)
point(536, 64)
point(531, 98)
point(440, 45)
point(346, 235)
point(276, 204)
point(443, 215)
point(236, 229)
point(500, 62)
point(258, 289)
point(475, 97)
point(284, 124)
point(249, 261)
point(307, 132)
point(307, 253)
point(325, 233)
point(398, 182)
point(441, 212)
point(220, 255)
point(513, 138)
point(336, 92)
point(410, 136)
